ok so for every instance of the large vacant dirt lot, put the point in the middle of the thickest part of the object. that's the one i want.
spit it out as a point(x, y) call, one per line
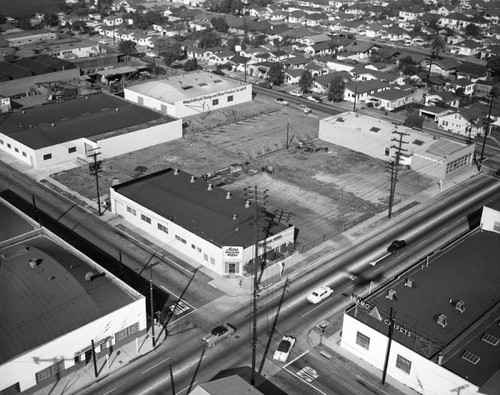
point(321, 193)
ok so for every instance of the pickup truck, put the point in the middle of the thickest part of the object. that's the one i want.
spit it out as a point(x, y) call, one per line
point(218, 334)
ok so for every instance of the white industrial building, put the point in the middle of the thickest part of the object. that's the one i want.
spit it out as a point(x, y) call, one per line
point(441, 158)
point(200, 220)
point(67, 132)
point(53, 302)
point(189, 94)
point(445, 319)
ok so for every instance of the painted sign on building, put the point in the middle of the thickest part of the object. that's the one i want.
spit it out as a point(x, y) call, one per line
point(232, 257)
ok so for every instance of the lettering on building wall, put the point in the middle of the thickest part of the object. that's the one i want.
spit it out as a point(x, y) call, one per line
point(212, 96)
point(398, 327)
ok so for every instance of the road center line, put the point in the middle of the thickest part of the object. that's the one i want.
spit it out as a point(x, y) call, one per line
point(310, 311)
point(154, 366)
point(110, 391)
point(293, 360)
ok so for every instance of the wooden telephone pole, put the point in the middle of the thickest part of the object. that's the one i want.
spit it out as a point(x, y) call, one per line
point(395, 165)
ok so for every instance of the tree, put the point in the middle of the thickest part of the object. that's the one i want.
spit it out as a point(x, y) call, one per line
point(306, 81)
point(414, 121)
point(472, 30)
point(259, 39)
point(190, 65)
point(24, 23)
point(336, 89)
point(493, 64)
point(438, 45)
point(219, 24)
point(209, 39)
point(127, 47)
point(275, 74)
point(3, 19)
point(232, 43)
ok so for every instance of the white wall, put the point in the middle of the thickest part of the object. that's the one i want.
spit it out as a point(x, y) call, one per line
point(425, 376)
point(143, 138)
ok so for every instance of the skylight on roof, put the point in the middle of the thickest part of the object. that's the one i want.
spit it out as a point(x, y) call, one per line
point(374, 129)
point(217, 81)
point(418, 142)
point(470, 357)
point(339, 119)
point(203, 84)
point(490, 339)
point(186, 87)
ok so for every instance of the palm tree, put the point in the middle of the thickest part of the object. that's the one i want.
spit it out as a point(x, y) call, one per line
point(438, 46)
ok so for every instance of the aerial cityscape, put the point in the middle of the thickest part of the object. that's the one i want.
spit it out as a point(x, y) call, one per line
point(236, 197)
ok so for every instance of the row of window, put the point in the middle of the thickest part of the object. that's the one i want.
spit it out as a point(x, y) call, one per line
point(215, 102)
point(45, 157)
point(15, 148)
point(164, 229)
point(458, 163)
point(401, 362)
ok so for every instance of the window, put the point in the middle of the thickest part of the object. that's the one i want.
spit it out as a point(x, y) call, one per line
point(387, 151)
point(47, 156)
point(11, 390)
point(212, 261)
point(490, 339)
point(230, 98)
point(178, 238)
point(9, 146)
point(71, 150)
point(163, 228)
point(205, 257)
point(215, 102)
point(362, 340)
point(124, 333)
point(193, 246)
point(131, 210)
point(496, 226)
point(16, 149)
point(1, 142)
point(50, 371)
point(472, 358)
point(24, 154)
point(145, 218)
point(198, 249)
point(403, 364)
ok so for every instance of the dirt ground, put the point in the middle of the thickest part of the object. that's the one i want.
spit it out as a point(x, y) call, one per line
point(322, 193)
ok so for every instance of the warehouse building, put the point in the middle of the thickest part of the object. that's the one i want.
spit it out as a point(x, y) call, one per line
point(443, 317)
point(200, 220)
point(441, 158)
point(54, 301)
point(67, 132)
point(189, 94)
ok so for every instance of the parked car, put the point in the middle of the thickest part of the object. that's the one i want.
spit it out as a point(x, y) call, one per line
point(284, 348)
point(218, 72)
point(279, 100)
point(218, 334)
point(315, 99)
point(319, 294)
point(396, 245)
point(296, 92)
point(267, 85)
point(304, 108)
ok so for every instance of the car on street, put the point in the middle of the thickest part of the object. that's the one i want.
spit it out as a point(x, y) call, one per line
point(319, 294)
point(284, 348)
point(267, 85)
point(315, 99)
point(218, 334)
point(296, 93)
point(396, 245)
point(304, 108)
point(281, 101)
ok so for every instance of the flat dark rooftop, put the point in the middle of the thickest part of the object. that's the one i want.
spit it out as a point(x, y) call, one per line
point(470, 272)
point(90, 117)
point(38, 305)
point(12, 225)
point(207, 214)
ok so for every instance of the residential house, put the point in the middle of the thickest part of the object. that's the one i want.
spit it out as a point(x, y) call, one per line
point(445, 10)
point(322, 48)
point(341, 65)
point(419, 38)
point(359, 51)
point(239, 63)
point(464, 122)
point(296, 62)
point(443, 67)
point(315, 19)
point(221, 57)
point(321, 83)
point(258, 11)
point(292, 76)
point(360, 91)
point(113, 20)
point(472, 71)
point(127, 5)
point(410, 13)
point(374, 29)
point(391, 99)
point(395, 33)
point(454, 21)
point(454, 39)
point(297, 17)
point(462, 85)
point(466, 48)
point(433, 112)
point(442, 99)
point(279, 16)
point(314, 39)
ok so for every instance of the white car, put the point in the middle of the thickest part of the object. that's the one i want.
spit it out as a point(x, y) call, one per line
point(304, 108)
point(296, 93)
point(319, 294)
point(284, 348)
point(281, 101)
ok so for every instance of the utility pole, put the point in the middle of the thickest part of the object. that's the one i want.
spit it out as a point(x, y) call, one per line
point(95, 168)
point(151, 305)
point(395, 165)
point(355, 97)
point(258, 197)
point(487, 123)
point(392, 316)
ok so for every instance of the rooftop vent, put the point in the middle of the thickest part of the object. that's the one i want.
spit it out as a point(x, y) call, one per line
point(460, 305)
point(193, 179)
point(34, 262)
point(86, 97)
point(176, 172)
point(235, 217)
point(53, 124)
point(409, 283)
point(441, 320)
point(228, 195)
point(89, 276)
point(391, 294)
point(117, 109)
point(247, 203)
point(210, 187)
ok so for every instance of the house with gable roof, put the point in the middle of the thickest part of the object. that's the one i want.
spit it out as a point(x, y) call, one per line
point(465, 85)
point(411, 13)
point(360, 91)
point(391, 99)
point(445, 98)
point(466, 48)
point(465, 122)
